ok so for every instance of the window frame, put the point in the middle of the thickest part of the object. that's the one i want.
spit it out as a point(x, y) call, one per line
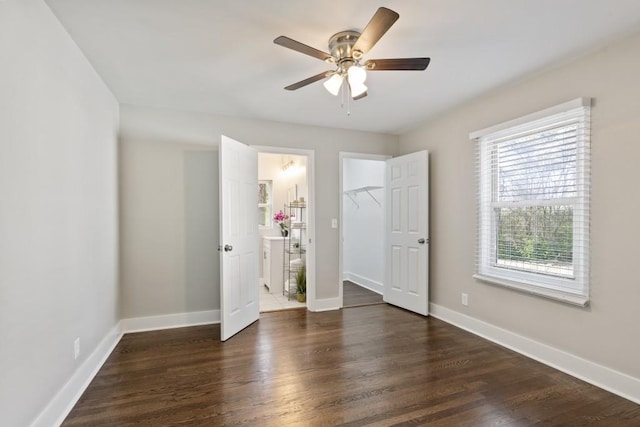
point(571, 290)
point(268, 205)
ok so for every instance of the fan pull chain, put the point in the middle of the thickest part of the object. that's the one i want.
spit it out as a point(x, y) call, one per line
point(345, 93)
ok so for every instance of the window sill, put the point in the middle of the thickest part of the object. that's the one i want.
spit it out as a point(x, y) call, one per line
point(573, 299)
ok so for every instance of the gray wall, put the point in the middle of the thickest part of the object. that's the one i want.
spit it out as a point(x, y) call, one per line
point(58, 215)
point(154, 225)
point(168, 228)
point(606, 332)
point(201, 229)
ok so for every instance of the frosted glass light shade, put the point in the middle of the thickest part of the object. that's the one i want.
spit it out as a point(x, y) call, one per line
point(357, 89)
point(333, 84)
point(357, 75)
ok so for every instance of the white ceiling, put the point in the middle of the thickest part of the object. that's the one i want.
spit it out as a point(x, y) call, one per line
point(219, 56)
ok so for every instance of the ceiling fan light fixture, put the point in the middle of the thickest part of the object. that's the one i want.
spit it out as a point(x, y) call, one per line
point(347, 49)
point(333, 84)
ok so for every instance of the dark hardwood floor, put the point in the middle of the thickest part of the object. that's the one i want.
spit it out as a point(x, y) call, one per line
point(370, 365)
point(354, 295)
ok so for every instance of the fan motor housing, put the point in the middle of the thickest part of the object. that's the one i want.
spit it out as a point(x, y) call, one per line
point(341, 44)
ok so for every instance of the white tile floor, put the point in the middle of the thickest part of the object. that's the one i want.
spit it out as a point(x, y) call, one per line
point(272, 302)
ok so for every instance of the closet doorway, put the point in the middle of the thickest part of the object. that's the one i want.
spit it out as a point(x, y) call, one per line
point(362, 257)
point(284, 227)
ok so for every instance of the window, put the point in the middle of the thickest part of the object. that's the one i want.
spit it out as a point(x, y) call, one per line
point(533, 203)
point(264, 204)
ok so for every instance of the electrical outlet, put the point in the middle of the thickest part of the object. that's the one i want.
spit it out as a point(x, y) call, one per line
point(76, 348)
point(465, 299)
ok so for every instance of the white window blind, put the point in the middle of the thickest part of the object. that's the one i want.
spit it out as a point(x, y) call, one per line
point(533, 203)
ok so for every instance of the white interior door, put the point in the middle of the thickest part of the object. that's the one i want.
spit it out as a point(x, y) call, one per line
point(239, 298)
point(407, 241)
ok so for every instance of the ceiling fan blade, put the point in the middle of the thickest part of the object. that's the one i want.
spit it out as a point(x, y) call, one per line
point(382, 20)
point(362, 95)
point(303, 48)
point(308, 81)
point(397, 64)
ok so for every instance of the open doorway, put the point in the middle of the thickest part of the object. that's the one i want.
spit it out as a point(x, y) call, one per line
point(363, 229)
point(283, 192)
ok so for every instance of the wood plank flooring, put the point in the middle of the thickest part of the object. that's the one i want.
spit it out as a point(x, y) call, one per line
point(370, 365)
point(354, 295)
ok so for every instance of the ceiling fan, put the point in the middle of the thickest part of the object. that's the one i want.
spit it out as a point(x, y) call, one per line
point(347, 50)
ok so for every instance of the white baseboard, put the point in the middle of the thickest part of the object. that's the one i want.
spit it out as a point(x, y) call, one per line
point(606, 378)
point(64, 401)
point(325, 304)
point(365, 282)
point(169, 321)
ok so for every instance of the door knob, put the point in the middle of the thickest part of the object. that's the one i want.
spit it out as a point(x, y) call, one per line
point(228, 248)
point(422, 241)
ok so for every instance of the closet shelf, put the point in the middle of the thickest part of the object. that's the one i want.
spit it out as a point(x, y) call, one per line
point(351, 194)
